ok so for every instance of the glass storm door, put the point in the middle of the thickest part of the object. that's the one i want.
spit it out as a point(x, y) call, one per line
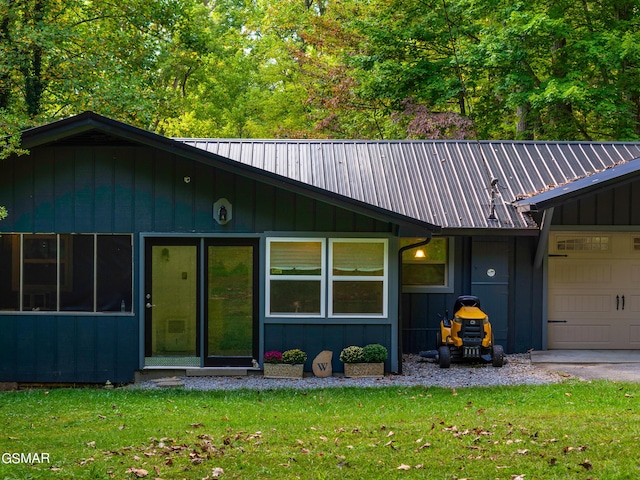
point(230, 320)
point(171, 303)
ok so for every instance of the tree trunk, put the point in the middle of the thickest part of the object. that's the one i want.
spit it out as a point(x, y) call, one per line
point(5, 79)
point(32, 70)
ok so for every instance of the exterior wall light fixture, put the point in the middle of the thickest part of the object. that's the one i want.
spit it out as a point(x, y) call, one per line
point(222, 211)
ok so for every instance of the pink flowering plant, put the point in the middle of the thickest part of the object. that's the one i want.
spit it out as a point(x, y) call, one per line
point(272, 356)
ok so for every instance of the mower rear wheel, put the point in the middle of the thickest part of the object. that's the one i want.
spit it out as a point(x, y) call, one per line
point(444, 356)
point(497, 357)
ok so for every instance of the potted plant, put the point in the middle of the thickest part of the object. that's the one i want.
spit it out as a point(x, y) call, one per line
point(287, 364)
point(367, 361)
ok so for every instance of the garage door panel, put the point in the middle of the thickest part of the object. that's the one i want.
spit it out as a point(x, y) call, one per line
point(575, 333)
point(574, 304)
point(569, 272)
point(594, 290)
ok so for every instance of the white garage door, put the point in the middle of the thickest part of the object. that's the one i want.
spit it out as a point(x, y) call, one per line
point(594, 290)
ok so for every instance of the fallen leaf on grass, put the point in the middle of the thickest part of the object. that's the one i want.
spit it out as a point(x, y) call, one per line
point(581, 448)
point(91, 444)
point(404, 467)
point(518, 477)
point(217, 472)
point(138, 472)
point(587, 465)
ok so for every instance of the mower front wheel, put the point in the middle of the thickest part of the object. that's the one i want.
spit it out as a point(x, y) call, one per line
point(444, 356)
point(497, 358)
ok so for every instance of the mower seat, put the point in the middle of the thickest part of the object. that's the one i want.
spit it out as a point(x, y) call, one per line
point(466, 301)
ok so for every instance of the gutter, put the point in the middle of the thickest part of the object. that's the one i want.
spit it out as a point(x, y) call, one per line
point(400, 252)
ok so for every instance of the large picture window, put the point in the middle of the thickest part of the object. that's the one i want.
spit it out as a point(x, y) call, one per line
point(66, 272)
point(428, 267)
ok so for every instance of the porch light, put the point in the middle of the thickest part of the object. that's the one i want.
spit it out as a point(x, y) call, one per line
point(419, 254)
point(222, 214)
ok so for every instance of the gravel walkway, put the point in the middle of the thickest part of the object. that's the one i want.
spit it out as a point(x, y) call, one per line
point(518, 370)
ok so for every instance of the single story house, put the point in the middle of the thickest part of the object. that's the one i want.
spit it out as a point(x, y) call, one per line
point(126, 251)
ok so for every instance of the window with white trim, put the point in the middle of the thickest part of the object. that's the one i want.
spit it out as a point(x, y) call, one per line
point(358, 277)
point(427, 268)
point(308, 277)
point(295, 276)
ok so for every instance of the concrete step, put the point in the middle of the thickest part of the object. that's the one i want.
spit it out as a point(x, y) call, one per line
point(155, 373)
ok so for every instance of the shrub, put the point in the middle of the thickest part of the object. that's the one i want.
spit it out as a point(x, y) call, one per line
point(294, 356)
point(273, 356)
point(352, 354)
point(375, 353)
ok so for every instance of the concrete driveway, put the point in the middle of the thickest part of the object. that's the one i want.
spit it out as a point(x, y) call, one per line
point(616, 365)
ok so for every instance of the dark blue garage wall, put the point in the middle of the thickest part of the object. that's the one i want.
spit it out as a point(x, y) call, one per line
point(512, 298)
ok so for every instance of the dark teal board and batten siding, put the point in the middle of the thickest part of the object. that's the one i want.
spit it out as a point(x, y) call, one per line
point(134, 189)
point(512, 298)
point(618, 206)
point(313, 338)
point(129, 189)
point(68, 348)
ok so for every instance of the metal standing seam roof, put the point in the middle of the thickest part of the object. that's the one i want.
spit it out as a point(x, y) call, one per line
point(446, 183)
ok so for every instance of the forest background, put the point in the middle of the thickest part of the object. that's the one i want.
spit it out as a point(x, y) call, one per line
point(374, 69)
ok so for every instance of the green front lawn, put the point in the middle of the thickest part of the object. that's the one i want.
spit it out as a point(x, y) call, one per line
point(572, 430)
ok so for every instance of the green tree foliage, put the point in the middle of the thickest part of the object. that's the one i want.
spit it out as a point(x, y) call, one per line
point(533, 70)
point(320, 68)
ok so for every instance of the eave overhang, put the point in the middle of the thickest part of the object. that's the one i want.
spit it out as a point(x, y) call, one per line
point(615, 176)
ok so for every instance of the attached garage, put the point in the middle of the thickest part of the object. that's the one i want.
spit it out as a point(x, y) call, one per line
point(594, 290)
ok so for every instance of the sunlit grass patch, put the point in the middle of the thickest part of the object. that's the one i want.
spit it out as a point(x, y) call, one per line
point(570, 430)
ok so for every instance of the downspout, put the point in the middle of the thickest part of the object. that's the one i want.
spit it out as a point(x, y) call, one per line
point(400, 252)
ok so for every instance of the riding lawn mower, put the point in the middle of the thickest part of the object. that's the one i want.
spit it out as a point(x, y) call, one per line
point(466, 337)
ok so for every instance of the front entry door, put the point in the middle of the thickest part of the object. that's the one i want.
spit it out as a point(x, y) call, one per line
point(171, 302)
point(183, 330)
point(230, 325)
